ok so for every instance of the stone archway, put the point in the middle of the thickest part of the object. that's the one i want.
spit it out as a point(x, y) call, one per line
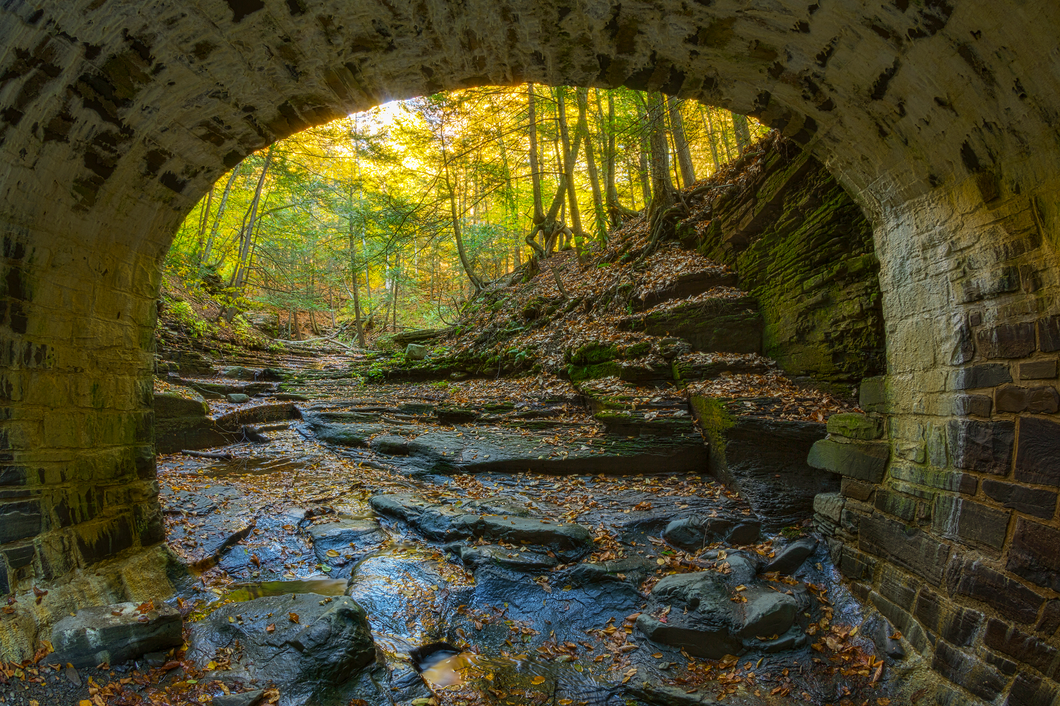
point(940, 118)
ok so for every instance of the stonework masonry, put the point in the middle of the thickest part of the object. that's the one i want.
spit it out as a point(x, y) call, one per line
point(939, 118)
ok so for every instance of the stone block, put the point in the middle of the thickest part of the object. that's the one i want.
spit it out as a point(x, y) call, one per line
point(901, 506)
point(857, 489)
point(897, 587)
point(915, 451)
point(1049, 334)
point(1007, 340)
point(1050, 620)
point(968, 521)
point(1038, 369)
point(1010, 398)
point(114, 634)
point(1043, 400)
point(853, 425)
point(20, 520)
point(1035, 553)
point(861, 460)
point(829, 505)
point(979, 376)
point(1032, 501)
point(1003, 664)
point(1008, 597)
point(1031, 690)
point(856, 565)
point(415, 351)
point(909, 548)
point(943, 480)
point(968, 672)
point(20, 556)
point(951, 622)
point(13, 476)
point(972, 406)
point(1038, 455)
point(103, 539)
point(982, 446)
point(872, 394)
point(1020, 646)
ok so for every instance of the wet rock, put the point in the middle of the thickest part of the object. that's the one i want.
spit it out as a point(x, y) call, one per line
point(308, 645)
point(440, 522)
point(568, 542)
point(247, 698)
point(475, 556)
point(505, 451)
point(698, 613)
point(348, 537)
point(390, 445)
point(791, 557)
point(114, 634)
point(766, 460)
point(237, 398)
point(694, 533)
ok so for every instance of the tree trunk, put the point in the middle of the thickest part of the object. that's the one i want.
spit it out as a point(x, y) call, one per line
point(645, 182)
point(353, 278)
point(450, 187)
point(535, 171)
point(662, 188)
point(204, 220)
point(568, 168)
point(711, 138)
point(677, 130)
point(590, 161)
point(743, 133)
point(220, 214)
point(239, 274)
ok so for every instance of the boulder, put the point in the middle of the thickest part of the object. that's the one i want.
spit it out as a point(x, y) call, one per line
point(515, 559)
point(710, 614)
point(791, 556)
point(310, 646)
point(694, 533)
point(114, 634)
point(415, 351)
point(237, 398)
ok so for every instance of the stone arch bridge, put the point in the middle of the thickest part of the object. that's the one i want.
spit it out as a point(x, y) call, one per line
point(940, 117)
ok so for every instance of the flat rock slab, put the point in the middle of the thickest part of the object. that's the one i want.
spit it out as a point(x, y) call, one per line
point(567, 542)
point(349, 538)
point(114, 634)
point(308, 645)
point(508, 451)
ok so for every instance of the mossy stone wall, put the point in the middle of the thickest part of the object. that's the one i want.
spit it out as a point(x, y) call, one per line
point(804, 250)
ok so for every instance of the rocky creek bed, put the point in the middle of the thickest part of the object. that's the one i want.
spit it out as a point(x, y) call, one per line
point(446, 545)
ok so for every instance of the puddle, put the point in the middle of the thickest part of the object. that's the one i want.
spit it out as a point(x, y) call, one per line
point(249, 591)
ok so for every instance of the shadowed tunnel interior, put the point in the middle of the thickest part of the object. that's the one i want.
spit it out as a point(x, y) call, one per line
point(939, 118)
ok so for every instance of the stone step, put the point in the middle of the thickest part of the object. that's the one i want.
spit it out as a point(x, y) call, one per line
point(728, 324)
point(686, 286)
point(707, 366)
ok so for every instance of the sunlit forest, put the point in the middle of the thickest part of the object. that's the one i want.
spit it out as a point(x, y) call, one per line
point(391, 219)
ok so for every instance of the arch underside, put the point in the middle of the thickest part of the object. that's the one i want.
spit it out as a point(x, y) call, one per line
point(939, 118)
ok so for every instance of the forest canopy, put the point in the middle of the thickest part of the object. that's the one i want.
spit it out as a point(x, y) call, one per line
point(392, 218)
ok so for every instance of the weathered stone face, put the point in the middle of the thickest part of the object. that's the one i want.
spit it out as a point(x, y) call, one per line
point(939, 118)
